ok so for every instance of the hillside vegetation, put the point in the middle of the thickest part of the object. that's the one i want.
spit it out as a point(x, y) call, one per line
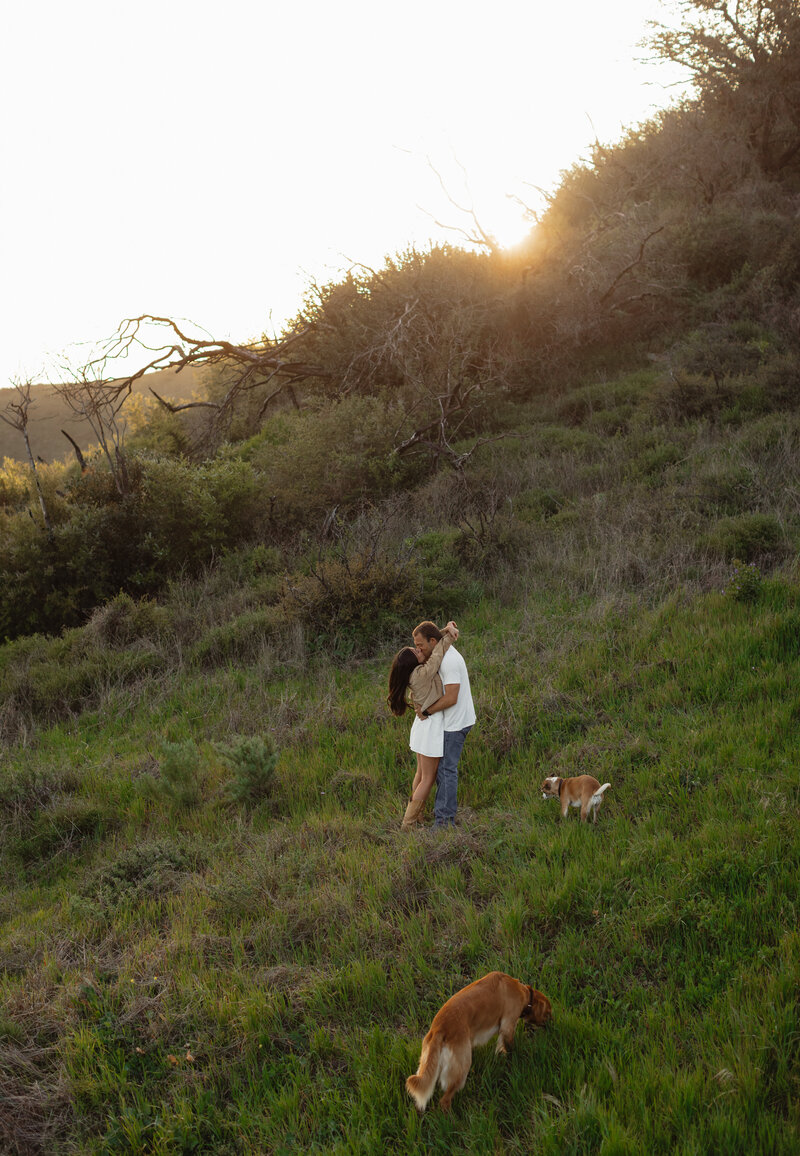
point(214, 936)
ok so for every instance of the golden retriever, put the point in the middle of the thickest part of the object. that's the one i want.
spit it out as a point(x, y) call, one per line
point(469, 1018)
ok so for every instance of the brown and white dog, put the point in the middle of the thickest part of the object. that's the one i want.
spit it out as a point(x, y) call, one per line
point(469, 1018)
point(583, 791)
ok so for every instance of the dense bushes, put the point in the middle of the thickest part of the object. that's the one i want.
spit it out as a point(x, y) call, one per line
point(334, 456)
point(353, 601)
point(174, 521)
point(748, 537)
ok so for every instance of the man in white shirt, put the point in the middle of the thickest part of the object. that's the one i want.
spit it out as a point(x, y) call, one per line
point(459, 717)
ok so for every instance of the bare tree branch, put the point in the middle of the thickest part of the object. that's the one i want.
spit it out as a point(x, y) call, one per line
point(78, 451)
point(481, 237)
point(624, 272)
point(250, 365)
point(16, 415)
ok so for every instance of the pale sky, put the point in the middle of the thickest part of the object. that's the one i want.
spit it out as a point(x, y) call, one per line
point(201, 160)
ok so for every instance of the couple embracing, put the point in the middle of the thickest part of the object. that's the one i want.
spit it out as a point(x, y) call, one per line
point(434, 675)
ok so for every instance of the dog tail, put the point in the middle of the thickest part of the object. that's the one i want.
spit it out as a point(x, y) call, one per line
point(421, 1086)
point(600, 791)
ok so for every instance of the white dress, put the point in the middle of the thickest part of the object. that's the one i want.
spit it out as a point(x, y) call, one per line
point(427, 735)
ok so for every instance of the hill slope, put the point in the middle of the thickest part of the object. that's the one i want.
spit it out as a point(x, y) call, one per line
point(182, 971)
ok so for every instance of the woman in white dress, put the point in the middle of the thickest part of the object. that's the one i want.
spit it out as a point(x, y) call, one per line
point(413, 676)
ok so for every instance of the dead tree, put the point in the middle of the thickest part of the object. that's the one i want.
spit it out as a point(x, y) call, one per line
point(475, 234)
point(99, 402)
point(249, 366)
point(16, 415)
point(449, 371)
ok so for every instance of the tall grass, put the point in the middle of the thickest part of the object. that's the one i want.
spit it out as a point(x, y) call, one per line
point(224, 978)
point(203, 948)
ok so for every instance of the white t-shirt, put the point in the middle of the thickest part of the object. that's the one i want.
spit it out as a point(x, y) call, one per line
point(462, 713)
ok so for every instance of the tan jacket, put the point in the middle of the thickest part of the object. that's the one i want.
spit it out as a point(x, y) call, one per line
point(425, 684)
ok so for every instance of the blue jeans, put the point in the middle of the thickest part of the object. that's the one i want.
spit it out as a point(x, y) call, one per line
point(444, 809)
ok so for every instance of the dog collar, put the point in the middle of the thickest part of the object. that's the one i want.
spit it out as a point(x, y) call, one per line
point(560, 787)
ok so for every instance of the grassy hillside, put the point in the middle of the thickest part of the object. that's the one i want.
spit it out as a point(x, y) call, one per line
point(201, 954)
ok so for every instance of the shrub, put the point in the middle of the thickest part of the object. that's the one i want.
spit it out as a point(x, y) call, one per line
point(178, 783)
point(353, 599)
point(688, 396)
point(24, 793)
point(240, 640)
point(175, 519)
point(52, 678)
point(252, 762)
point(194, 511)
point(445, 585)
point(611, 421)
point(745, 582)
point(339, 455)
point(779, 379)
point(653, 461)
point(15, 483)
point(725, 490)
point(124, 620)
point(537, 504)
point(716, 245)
point(61, 826)
point(149, 869)
point(484, 548)
point(746, 537)
point(590, 404)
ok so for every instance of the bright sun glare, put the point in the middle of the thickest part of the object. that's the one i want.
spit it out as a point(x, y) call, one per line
point(352, 186)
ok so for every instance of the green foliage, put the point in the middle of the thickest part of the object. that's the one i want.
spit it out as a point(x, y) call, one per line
point(302, 974)
point(174, 520)
point(178, 783)
point(779, 378)
point(60, 827)
point(337, 455)
point(537, 504)
point(239, 640)
point(280, 999)
point(252, 762)
point(653, 460)
point(725, 489)
point(746, 71)
point(147, 870)
point(747, 537)
point(744, 583)
point(722, 351)
point(40, 814)
point(446, 585)
point(125, 620)
point(351, 601)
point(193, 511)
point(716, 245)
point(15, 484)
point(689, 396)
point(46, 679)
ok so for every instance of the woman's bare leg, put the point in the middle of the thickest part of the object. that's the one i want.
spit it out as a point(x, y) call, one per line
point(423, 783)
point(417, 776)
point(427, 768)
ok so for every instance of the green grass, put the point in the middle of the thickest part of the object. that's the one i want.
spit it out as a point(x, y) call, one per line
point(222, 978)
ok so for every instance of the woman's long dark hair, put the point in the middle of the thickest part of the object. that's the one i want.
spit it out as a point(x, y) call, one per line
point(404, 663)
